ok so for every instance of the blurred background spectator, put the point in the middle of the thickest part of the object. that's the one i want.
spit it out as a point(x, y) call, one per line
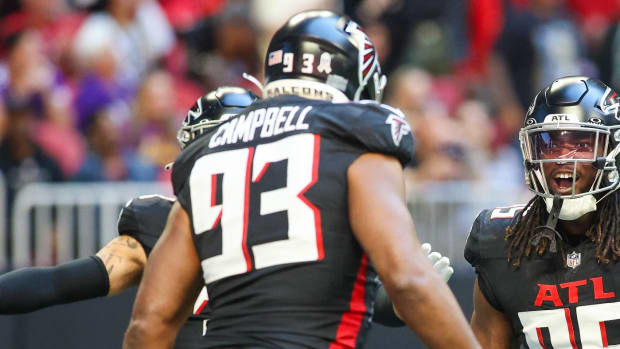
point(23, 161)
point(94, 91)
point(102, 85)
point(134, 66)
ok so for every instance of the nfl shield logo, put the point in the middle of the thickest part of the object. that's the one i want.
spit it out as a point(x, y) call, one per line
point(573, 259)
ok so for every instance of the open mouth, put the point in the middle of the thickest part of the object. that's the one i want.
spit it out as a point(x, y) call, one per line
point(562, 182)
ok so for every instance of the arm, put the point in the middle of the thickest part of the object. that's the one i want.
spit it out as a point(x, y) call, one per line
point(385, 313)
point(31, 289)
point(490, 326)
point(124, 260)
point(383, 226)
point(168, 289)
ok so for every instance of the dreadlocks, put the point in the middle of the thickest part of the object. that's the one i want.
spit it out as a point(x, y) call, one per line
point(605, 232)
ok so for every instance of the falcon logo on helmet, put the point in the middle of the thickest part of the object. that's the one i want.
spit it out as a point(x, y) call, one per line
point(610, 102)
point(368, 62)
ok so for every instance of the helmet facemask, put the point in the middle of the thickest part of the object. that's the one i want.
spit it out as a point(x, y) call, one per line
point(569, 145)
point(188, 133)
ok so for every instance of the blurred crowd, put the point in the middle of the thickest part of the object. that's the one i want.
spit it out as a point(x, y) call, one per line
point(94, 90)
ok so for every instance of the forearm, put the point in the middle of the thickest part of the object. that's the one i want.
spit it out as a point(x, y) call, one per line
point(149, 329)
point(30, 289)
point(488, 337)
point(148, 334)
point(124, 259)
point(154, 325)
point(385, 313)
point(384, 310)
point(168, 289)
point(426, 303)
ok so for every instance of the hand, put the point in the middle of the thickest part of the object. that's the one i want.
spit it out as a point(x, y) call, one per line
point(440, 264)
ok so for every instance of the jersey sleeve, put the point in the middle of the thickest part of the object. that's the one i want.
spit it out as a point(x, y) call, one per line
point(374, 127)
point(144, 219)
point(486, 250)
point(181, 170)
point(472, 246)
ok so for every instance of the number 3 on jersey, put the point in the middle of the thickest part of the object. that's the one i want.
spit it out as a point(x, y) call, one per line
point(237, 168)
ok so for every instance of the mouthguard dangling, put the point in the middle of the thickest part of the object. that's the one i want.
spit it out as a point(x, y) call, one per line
point(548, 231)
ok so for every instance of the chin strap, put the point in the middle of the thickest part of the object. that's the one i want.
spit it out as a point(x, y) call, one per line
point(548, 231)
point(573, 208)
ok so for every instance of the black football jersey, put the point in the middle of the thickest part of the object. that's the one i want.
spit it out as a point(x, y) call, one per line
point(549, 305)
point(144, 218)
point(267, 195)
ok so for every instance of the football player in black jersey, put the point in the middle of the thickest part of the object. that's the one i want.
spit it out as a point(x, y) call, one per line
point(548, 272)
point(119, 264)
point(285, 205)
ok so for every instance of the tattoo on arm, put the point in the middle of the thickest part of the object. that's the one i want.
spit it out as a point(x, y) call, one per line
point(125, 241)
point(116, 253)
point(110, 259)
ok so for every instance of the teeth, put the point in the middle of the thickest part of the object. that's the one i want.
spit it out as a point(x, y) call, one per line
point(564, 176)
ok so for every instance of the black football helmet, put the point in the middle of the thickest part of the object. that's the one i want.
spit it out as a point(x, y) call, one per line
point(573, 120)
point(325, 47)
point(211, 109)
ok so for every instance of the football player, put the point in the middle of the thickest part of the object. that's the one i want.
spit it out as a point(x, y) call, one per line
point(119, 264)
point(547, 272)
point(281, 209)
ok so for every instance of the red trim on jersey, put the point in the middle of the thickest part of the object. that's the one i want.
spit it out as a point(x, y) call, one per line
point(604, 334)
point(217, 220)
point(246, 210)
point(351, 322)
point(262, 172)
point(571, 331)
point(213, 188)
point(317, 212)
point(540, 338)
point(201, 307)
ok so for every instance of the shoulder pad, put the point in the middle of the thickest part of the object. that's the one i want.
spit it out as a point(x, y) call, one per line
point(144, 218)
point(182, 168)
point(375, 127)
point(486, 238)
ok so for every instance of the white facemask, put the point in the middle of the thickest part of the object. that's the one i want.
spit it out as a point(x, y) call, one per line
point(574, 208)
